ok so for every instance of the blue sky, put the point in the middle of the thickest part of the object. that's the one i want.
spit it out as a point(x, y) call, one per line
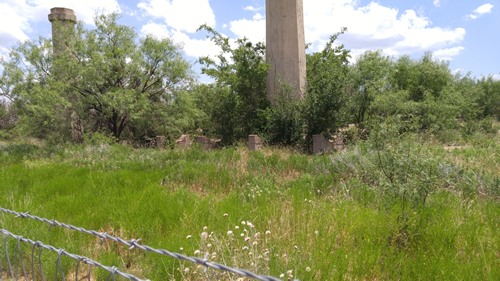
point(463, 32)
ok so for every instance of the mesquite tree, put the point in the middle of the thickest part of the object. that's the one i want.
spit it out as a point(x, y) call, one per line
point(117, 83)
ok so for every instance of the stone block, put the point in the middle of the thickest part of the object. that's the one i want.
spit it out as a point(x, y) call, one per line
point(254, 142)
point(321, 144)
point(160, 142)
point(206, 142)
point(183, 141)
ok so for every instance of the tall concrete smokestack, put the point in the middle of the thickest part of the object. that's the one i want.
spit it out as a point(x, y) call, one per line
point(63, 28)
point(285, 47)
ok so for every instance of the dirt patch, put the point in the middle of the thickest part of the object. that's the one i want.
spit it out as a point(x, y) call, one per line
point(453, 147)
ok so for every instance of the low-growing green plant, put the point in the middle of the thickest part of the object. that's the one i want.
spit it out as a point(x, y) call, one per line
point(398, 209)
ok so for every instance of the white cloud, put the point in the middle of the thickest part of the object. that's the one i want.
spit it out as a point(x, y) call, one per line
point(13, 25)
point(496, 77)
point(192, 47)
point(448, 54)
point(484, 9)
point(254, 29)
point(252, 8)
point(156, 29)
point(84, 10)
point(480, 11)
point(370, 27)
point(180, 20)
point(195, 47)
point(437, 3)
point(376, 27)
point(181, 15)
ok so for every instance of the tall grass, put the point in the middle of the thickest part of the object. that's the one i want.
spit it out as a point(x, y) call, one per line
point(405, 210)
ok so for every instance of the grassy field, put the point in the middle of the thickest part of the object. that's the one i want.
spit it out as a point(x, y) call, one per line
point(407, 209)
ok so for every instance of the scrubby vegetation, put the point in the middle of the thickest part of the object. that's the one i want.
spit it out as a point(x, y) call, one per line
point(404, 209)
point(413, 195)
point(132, 89)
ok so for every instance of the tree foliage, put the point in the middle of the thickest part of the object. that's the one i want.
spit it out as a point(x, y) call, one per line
point(489, 98)
point(115, 82)
point(326, 76)
point(367, 79)
point(238, 96)
point(110, 82)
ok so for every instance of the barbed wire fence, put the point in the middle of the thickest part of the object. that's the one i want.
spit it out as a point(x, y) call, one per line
point(113, 271)
point(60, 252)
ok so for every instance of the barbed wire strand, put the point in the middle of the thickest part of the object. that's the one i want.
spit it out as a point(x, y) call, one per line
point(113, 270)
point(134, 244)
point(59, 267)
point(39, 261)
point(8, 259)
point(21, 258)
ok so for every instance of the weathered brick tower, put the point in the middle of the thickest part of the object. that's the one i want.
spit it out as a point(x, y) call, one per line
point(285, 47)
point(63, 22)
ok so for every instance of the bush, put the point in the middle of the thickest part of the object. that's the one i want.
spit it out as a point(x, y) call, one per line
point(326, 76)
point(285, 124)
point(237, 100)
point(402, 170)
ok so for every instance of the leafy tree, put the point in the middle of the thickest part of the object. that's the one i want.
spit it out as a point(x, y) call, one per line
point(285, 120)
point(28, 82)
point(420, 78)
point(420, 93)
point(238, 97)
point(462, 94)
point(8, 79)
point(368, 78)
point(115, 83)
point(326, 75)
point(8, 116)
point(489, 98)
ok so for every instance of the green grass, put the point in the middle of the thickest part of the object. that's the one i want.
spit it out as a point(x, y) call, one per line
point(412, 210)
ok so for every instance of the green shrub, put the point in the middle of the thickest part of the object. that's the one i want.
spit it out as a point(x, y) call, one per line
point(285, 123)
